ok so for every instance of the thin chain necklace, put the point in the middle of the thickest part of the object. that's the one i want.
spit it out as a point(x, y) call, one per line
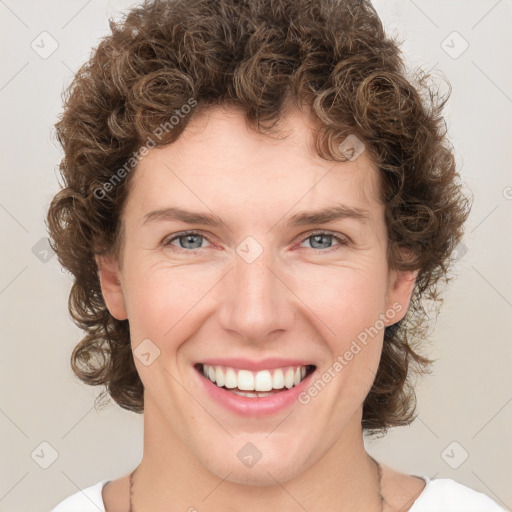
point(379, 470)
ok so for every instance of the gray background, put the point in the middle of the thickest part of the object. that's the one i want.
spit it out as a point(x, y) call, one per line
point(464, 406)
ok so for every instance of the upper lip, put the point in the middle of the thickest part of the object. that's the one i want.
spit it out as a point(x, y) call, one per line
point(262, 364)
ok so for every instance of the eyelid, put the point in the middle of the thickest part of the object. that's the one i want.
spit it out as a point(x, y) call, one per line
point(340, 237)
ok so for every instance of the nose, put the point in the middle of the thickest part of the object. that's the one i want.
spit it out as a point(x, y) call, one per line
point(255, 301)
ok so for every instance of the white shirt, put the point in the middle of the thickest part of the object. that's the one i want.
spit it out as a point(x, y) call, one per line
point(439, 495)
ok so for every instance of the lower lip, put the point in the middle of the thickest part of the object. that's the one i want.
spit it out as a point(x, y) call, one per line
point(258, 406)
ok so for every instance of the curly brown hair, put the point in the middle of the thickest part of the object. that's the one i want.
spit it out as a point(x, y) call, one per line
point(332, 56)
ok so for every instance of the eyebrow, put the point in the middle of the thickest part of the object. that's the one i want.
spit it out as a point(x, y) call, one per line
point(323, 216)
point(328, 215)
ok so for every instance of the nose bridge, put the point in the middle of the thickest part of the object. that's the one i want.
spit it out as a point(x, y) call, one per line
point(255, 301)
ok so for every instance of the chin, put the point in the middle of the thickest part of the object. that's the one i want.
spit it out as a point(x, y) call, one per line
point(258, 462)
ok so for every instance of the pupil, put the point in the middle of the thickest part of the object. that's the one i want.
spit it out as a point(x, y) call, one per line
point(318, 238)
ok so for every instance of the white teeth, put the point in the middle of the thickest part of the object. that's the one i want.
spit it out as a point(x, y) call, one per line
point(260, 382)
point(288, 378)
point(297, 378)
point(246, 380)
point(252, 395)
point(230, 380)
point(263, 381)
point(278, 379)
point(219, 377)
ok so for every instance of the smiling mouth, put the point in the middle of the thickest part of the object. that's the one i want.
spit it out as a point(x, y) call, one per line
point(255, 384)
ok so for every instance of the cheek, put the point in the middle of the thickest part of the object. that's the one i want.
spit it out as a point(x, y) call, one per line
point(348, 304)
point(163, 302)
point(346, 299)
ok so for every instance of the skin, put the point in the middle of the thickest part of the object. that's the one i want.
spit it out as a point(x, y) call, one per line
point(295, 300)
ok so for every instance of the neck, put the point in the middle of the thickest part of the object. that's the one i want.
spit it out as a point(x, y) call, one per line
point(344, 479)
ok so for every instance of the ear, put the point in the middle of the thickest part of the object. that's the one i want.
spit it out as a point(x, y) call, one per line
point(109, 274)
point(400, 288)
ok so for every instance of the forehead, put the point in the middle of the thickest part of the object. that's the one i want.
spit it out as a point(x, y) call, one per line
point(221, 159)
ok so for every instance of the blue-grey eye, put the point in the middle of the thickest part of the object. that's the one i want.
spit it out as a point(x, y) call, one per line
point(320, 240)
point(192, 241)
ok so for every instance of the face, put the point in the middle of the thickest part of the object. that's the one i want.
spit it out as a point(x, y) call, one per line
point(259, 291)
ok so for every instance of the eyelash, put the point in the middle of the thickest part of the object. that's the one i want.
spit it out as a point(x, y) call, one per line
point(343, 240)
